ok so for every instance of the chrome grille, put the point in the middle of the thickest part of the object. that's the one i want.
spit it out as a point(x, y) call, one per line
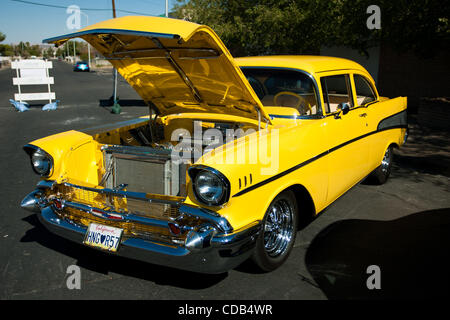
point(153, 210)
point(142, 208)
point(130, 229)
point(119, 204)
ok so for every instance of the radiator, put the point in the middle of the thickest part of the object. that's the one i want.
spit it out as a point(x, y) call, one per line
point(144, 169)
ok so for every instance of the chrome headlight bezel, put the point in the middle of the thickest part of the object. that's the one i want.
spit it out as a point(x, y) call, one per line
point(196, 172)
point(36, 152)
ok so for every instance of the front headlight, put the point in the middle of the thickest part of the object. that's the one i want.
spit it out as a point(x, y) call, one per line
point(210, 186)
point(41, 161)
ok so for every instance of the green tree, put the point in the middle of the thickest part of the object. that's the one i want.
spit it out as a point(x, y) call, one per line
point(68, 48)
point(6, 50)
point(48, 53)
point(2, 36)
point(250, 27)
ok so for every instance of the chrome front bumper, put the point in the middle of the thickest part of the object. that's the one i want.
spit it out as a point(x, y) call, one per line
point(217, 253)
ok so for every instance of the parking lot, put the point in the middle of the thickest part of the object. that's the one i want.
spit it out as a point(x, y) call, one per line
point(403, 226)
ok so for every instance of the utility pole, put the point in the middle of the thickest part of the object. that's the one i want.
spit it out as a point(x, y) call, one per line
point(116, 106)
point(88, 44)
point(167, 8)
point(114, 8)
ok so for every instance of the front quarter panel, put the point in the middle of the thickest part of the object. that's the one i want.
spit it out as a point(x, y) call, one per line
point(291, 161)
point(75, 155)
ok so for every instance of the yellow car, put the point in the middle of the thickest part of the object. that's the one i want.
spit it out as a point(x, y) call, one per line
point(234, 154)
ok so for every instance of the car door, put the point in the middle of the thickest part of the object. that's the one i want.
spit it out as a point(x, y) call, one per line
point(366, 98)
point(348, 150)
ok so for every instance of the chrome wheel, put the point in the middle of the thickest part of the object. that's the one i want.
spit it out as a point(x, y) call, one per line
point(277, 237)
point(381, 174)
point(386, 162)
point(278, 228)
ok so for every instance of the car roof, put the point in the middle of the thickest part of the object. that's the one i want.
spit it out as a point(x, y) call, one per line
point(308, 63)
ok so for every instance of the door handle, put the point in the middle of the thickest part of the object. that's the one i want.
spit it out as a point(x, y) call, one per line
point(363, 115)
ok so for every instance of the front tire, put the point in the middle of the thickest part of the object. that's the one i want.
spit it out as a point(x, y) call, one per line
point(277, 237)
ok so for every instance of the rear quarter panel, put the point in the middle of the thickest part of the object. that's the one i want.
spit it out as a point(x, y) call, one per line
point(388, 119)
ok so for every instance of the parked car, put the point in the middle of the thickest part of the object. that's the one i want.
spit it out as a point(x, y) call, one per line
point(81, 66)
point(234, 154)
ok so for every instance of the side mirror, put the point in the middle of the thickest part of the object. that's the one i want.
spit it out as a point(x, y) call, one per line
point(343, 108)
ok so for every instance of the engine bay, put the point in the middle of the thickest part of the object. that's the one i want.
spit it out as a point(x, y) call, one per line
point(141, 155)
point(180, 134)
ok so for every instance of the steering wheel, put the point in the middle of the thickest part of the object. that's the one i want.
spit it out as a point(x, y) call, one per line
point(301, 100)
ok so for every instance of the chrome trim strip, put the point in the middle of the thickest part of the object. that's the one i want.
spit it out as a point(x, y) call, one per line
point(242, 234)
point(295, 117)
point(209, 215)
point(46, 184)
point(125, 194)
point(127, 217)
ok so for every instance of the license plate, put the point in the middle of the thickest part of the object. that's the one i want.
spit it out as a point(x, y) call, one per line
point(103, 237)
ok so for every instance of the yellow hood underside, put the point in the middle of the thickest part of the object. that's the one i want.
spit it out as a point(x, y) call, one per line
point(176, 66)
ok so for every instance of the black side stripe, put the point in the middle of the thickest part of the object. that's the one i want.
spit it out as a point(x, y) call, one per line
point(298, 166)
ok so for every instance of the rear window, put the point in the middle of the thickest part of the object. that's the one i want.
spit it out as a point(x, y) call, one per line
point(364, 91)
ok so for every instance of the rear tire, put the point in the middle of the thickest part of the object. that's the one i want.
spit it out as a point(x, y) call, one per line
point(277, 237)
point(381, 174)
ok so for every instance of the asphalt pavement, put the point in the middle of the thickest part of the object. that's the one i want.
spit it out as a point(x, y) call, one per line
point(403, 227)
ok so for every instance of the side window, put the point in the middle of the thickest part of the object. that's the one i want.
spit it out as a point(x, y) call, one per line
point(336, 90)
point(364, 92)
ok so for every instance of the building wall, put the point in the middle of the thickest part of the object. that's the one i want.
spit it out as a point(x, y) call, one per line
point(405, 74)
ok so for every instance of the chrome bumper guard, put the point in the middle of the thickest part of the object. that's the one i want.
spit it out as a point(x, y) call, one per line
point(209, 250)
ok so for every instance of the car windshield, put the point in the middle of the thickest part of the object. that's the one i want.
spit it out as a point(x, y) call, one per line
point(283, 88)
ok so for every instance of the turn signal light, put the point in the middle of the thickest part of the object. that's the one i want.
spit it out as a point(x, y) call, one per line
point(174, 228)
point(58, 204)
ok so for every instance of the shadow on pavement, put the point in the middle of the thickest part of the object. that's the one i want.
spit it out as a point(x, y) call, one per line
point(104, 263)
point(412, 253)
point(431, 164)
point(426, 150)
point(122, 102)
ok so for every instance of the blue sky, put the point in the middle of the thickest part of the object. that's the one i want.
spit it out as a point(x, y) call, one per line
point(33, 23)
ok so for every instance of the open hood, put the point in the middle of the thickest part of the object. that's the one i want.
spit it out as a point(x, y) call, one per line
point(176, 66)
